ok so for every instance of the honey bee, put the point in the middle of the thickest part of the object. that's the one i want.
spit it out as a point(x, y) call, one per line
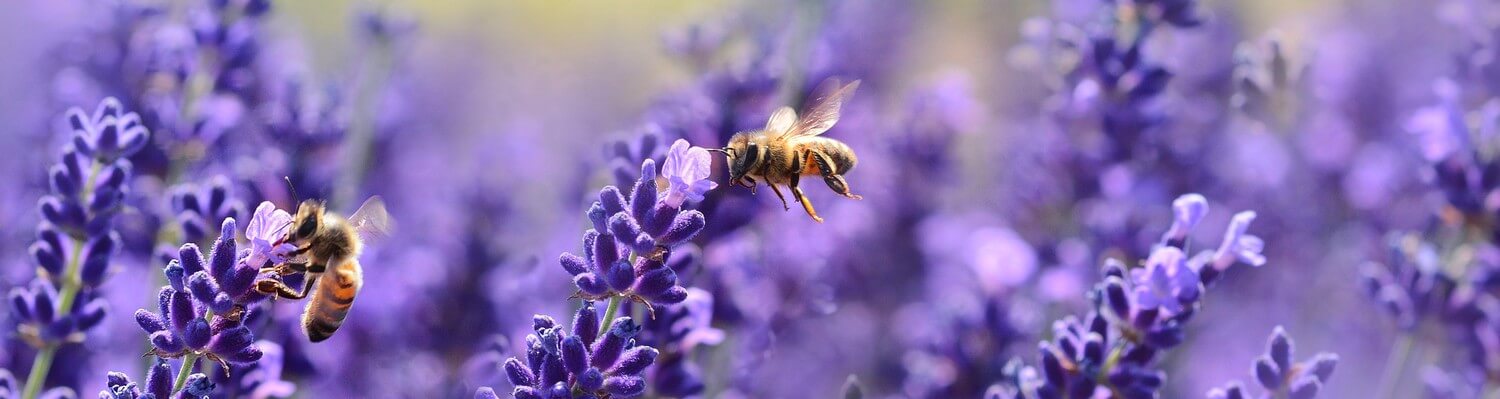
point(327, 253)
point(789, 148)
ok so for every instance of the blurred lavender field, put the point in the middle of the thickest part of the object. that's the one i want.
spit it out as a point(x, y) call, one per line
point(1061, 199)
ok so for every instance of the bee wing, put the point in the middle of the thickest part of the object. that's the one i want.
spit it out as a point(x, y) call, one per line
point(781, 122)
point(823, 110)
point(371, 221)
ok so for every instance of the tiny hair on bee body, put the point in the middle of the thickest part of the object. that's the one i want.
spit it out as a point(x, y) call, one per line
point(790, 147)
point(327, 249)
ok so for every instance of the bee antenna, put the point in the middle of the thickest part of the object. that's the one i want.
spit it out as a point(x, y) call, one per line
point(724, 150)
point(293, 189)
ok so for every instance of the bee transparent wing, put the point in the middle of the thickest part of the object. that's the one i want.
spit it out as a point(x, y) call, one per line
point(371, 221)
point(781, 122)
point(823, 110)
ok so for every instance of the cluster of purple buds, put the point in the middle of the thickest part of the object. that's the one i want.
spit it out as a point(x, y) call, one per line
point(627, 252)
point(230, 29)
point(1414, 283)
point(577, 363)
point(258, 380)
point(1138, 313)
point(76, 237)
point(624, 155)
point(158, 385)
point(200, 208)
point(200, 289)
point(1279, 377)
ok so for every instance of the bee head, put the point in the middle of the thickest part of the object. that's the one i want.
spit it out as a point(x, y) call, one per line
point(741, 154)
point(308, 221)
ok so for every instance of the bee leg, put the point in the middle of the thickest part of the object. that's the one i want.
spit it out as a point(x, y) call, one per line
point(278, 288)
point(830, 176)
point(784, 207)
point(806, 205)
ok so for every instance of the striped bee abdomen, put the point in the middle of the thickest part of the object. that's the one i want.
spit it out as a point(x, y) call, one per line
point(331, 301)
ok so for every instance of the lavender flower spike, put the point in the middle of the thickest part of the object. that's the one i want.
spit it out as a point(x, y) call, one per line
point(1279, 376)
point(686, 170)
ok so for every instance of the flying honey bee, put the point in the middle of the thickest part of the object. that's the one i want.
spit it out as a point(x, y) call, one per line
point(789, 148)
point(328, 248)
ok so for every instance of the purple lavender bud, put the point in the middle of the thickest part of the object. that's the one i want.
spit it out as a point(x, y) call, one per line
point(590, 284)
point(522, 392)
point(63, 182)
point(1279, 349)
point(1115, 297)
point(167, 343)
point(643, 196)
point(598, 216)
point(1322, 366)
point(552, 371)
point(66, 214)
point(558, 390)
point(607, 350)
point(534, 352)
point(191, 257)
point(635, 361)
point(1093, 349)
point(1267, 373)
point(91, 314)
point(574, 355)
point(611, 200)
point(620, 275)
point(231, 340)
point(591, 380)
point(197, 333)
point(588, 245)
point(586, 323)
point(240, 283)
point(48, 259)
point(643, 243)
point(518, 373)
point(222, 257)
point(625, 227)
point(96, 259)
point(205, 290)
point(686, 225)
point(625, 386)
point(197, 386)
point(159, 379)
point(175, 275)
point(573, 264)
point(1052, 368)
point(250, 354)
point(44, 306)
point(659, 220)
point(673, 295)
point(21, 305)
point(485, 393)
point(655, 282)
point(1305, 388)
point(605, 253)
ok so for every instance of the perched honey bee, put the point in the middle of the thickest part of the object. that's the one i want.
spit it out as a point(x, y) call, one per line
point(328, 248)
point(789, 148)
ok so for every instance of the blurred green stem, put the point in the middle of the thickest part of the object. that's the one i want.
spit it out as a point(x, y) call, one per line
point(1394, 365)
point(609, 314)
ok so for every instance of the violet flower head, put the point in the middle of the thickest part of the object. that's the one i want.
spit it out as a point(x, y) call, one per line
point(158, 384)
point(627, 252)
point(572, 362)
point(1279, 377)
point(200, 311)
point(687, 169)
point(267, 226)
